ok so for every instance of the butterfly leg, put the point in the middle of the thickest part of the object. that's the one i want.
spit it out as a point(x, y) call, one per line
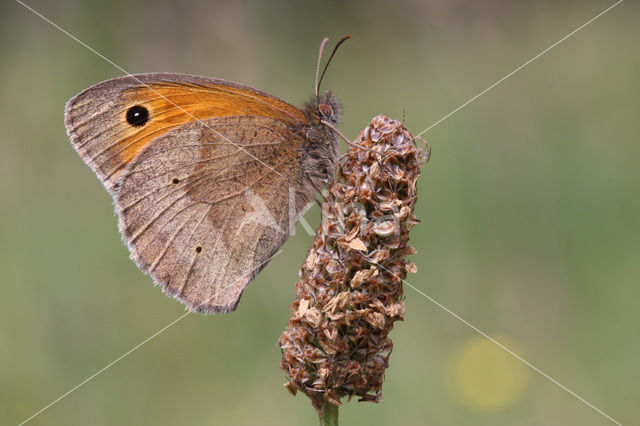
point(339, 133)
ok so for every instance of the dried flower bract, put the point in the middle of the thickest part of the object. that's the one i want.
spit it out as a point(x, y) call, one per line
point(350, 291)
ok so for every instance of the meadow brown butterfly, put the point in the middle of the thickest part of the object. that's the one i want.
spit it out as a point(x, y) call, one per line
point(208, 176)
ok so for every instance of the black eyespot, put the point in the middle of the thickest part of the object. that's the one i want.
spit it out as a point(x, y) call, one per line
point(198, 249)
point(137, 116)
point(175, 180)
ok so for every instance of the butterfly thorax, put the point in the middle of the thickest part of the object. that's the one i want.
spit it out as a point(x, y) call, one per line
point(320, 150)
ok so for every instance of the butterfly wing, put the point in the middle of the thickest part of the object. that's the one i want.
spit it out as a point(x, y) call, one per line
point(203, 204)
point(203, 217)
point(98, 126)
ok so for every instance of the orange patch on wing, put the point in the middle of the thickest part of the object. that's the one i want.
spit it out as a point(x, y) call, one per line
point(174, 104)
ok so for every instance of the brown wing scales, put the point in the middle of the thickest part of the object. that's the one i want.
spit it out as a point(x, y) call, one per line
point(202, 216)
point(96, 118)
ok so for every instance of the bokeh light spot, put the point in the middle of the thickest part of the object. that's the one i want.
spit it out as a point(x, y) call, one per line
point(485, 377)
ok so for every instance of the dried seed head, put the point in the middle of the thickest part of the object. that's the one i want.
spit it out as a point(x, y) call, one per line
point(350, 288)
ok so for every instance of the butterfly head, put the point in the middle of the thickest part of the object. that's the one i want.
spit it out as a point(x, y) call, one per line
point(323, 108)
point(328, 108)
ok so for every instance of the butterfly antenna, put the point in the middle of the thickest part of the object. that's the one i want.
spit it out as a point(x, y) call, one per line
point(319, 81)
point(324, 41)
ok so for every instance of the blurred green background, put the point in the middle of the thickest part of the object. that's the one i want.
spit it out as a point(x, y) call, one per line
point(530, 209)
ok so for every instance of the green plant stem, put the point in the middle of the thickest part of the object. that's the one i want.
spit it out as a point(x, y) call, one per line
point(329, 414)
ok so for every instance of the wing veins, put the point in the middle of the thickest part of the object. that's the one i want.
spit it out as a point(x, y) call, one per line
point(171, 239)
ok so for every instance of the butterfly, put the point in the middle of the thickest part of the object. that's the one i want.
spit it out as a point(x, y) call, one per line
point(208, 176)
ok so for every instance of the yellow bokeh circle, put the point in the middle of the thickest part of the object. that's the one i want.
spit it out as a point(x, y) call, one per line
point(485, 377)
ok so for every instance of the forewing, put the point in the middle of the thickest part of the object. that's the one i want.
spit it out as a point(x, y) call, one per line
point(203, 216)
point(96, 118)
